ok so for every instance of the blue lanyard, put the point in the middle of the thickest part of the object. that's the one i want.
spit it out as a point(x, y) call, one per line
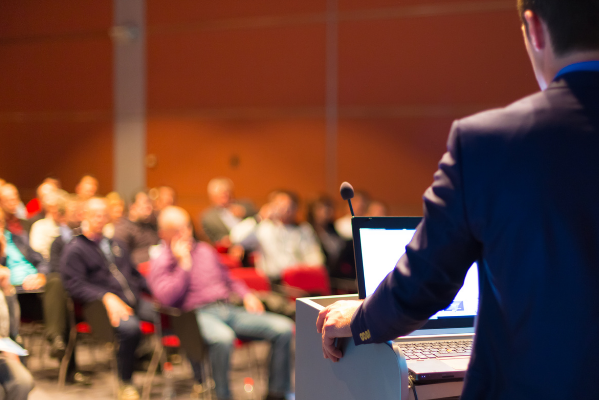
point(582, 66)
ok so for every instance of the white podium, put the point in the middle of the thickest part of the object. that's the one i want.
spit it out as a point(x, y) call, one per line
point(374, 371)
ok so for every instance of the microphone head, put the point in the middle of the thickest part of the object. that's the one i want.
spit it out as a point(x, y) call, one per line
point(347, 191)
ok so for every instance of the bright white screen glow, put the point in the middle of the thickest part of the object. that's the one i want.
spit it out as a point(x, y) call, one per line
point(382, 248)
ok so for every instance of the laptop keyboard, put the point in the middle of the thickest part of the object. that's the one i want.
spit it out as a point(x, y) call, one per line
point(438, 349)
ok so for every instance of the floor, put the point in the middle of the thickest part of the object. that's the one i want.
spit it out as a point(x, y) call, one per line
point(96, 361)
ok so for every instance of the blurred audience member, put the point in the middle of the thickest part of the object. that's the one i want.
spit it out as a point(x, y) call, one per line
point(162, 197)
point(69, 223)
point(281, 241)
point(35, 207)
point(225, 213)
point(136, 231)
point(87, 187)
point(27, 267)
point(376, 209)
point(44, 231)
point(55, 298)
point(116, 208)
point(94, 268)
point(15, 380)
point(321, 215)
point(188, 275)
point(10, 202)
point(360, 204)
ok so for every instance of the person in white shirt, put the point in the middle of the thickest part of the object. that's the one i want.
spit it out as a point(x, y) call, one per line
point(44, 231)
point(282, 242)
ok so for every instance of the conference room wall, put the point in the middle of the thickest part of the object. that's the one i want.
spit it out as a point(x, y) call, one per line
point(224, 83)
point(55, 92)
point(239, 89)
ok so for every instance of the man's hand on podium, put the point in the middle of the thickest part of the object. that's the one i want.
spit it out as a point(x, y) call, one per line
point(333, 322)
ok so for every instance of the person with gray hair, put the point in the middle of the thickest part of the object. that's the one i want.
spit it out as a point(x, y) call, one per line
point(188, 275)
point(225, 213)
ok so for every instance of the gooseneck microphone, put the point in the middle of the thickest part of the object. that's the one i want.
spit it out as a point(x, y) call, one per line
point(347, 193)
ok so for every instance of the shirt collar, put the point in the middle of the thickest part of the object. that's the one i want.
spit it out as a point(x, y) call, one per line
point(581, 66)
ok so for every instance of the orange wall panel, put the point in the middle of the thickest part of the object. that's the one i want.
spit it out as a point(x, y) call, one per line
point(270, 155)
point(29, 18)
point(467, 59)
point(281, 66)
point(190, 11)
point(392, 159)
point(56, 75)
point(33, 150)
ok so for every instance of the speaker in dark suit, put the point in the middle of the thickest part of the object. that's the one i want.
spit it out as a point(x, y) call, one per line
point(517, 189)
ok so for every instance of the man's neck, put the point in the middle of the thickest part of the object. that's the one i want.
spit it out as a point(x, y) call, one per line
point(571, 58)
point(94, 237)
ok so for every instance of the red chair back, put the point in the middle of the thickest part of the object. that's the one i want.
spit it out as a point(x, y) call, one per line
point(144, 268)
point(252, 278)
point(312, 279)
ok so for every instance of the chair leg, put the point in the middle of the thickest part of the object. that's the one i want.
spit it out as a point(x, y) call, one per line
point(147, 388)
point(115, 368)
point(64, 363)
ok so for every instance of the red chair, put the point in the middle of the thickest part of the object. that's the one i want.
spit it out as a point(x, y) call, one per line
point(311, 279)
point(229, 261)
point(144, 268)
point(253, 278)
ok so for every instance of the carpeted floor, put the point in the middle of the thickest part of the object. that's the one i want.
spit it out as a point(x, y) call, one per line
point(45, 372)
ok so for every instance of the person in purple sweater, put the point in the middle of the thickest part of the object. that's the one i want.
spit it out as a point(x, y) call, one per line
point(188, 275)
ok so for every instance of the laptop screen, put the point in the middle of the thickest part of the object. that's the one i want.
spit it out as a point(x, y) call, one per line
point(382, 242)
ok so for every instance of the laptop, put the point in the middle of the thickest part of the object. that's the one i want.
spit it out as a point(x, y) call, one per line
point(440, 350)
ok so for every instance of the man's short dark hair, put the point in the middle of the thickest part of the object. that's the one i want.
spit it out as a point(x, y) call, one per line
point(573, 24)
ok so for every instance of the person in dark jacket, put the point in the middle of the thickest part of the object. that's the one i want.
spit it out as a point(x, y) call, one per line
point(516, 190)
point(55, 297)
point(94, 268)
point(138, 231)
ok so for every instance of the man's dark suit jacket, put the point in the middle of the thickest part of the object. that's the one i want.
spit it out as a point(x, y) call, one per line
point(518, 188)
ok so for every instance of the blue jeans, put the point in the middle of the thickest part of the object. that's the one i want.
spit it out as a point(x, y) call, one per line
point(220, 324)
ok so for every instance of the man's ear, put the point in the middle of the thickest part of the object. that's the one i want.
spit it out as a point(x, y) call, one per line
point(535, 30)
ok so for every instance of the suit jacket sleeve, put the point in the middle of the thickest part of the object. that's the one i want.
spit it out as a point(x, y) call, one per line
point(431, 272)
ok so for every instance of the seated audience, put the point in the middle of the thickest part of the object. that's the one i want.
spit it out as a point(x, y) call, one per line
point(44, 231)
point(10, 202)
point(376, 209)
point(87, 187)
point(225, 213)
point(360, 205)
point(188, 275)
point(116, 209)
point(35, 210)
point(94, 268)
point(55, 298)
point(136, 231)
point(321, 214)
point(280, 240)
point(15, 380)
point(27, 267)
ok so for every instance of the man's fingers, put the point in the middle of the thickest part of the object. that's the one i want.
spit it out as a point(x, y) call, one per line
point(320, 320)
point(329, 345)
